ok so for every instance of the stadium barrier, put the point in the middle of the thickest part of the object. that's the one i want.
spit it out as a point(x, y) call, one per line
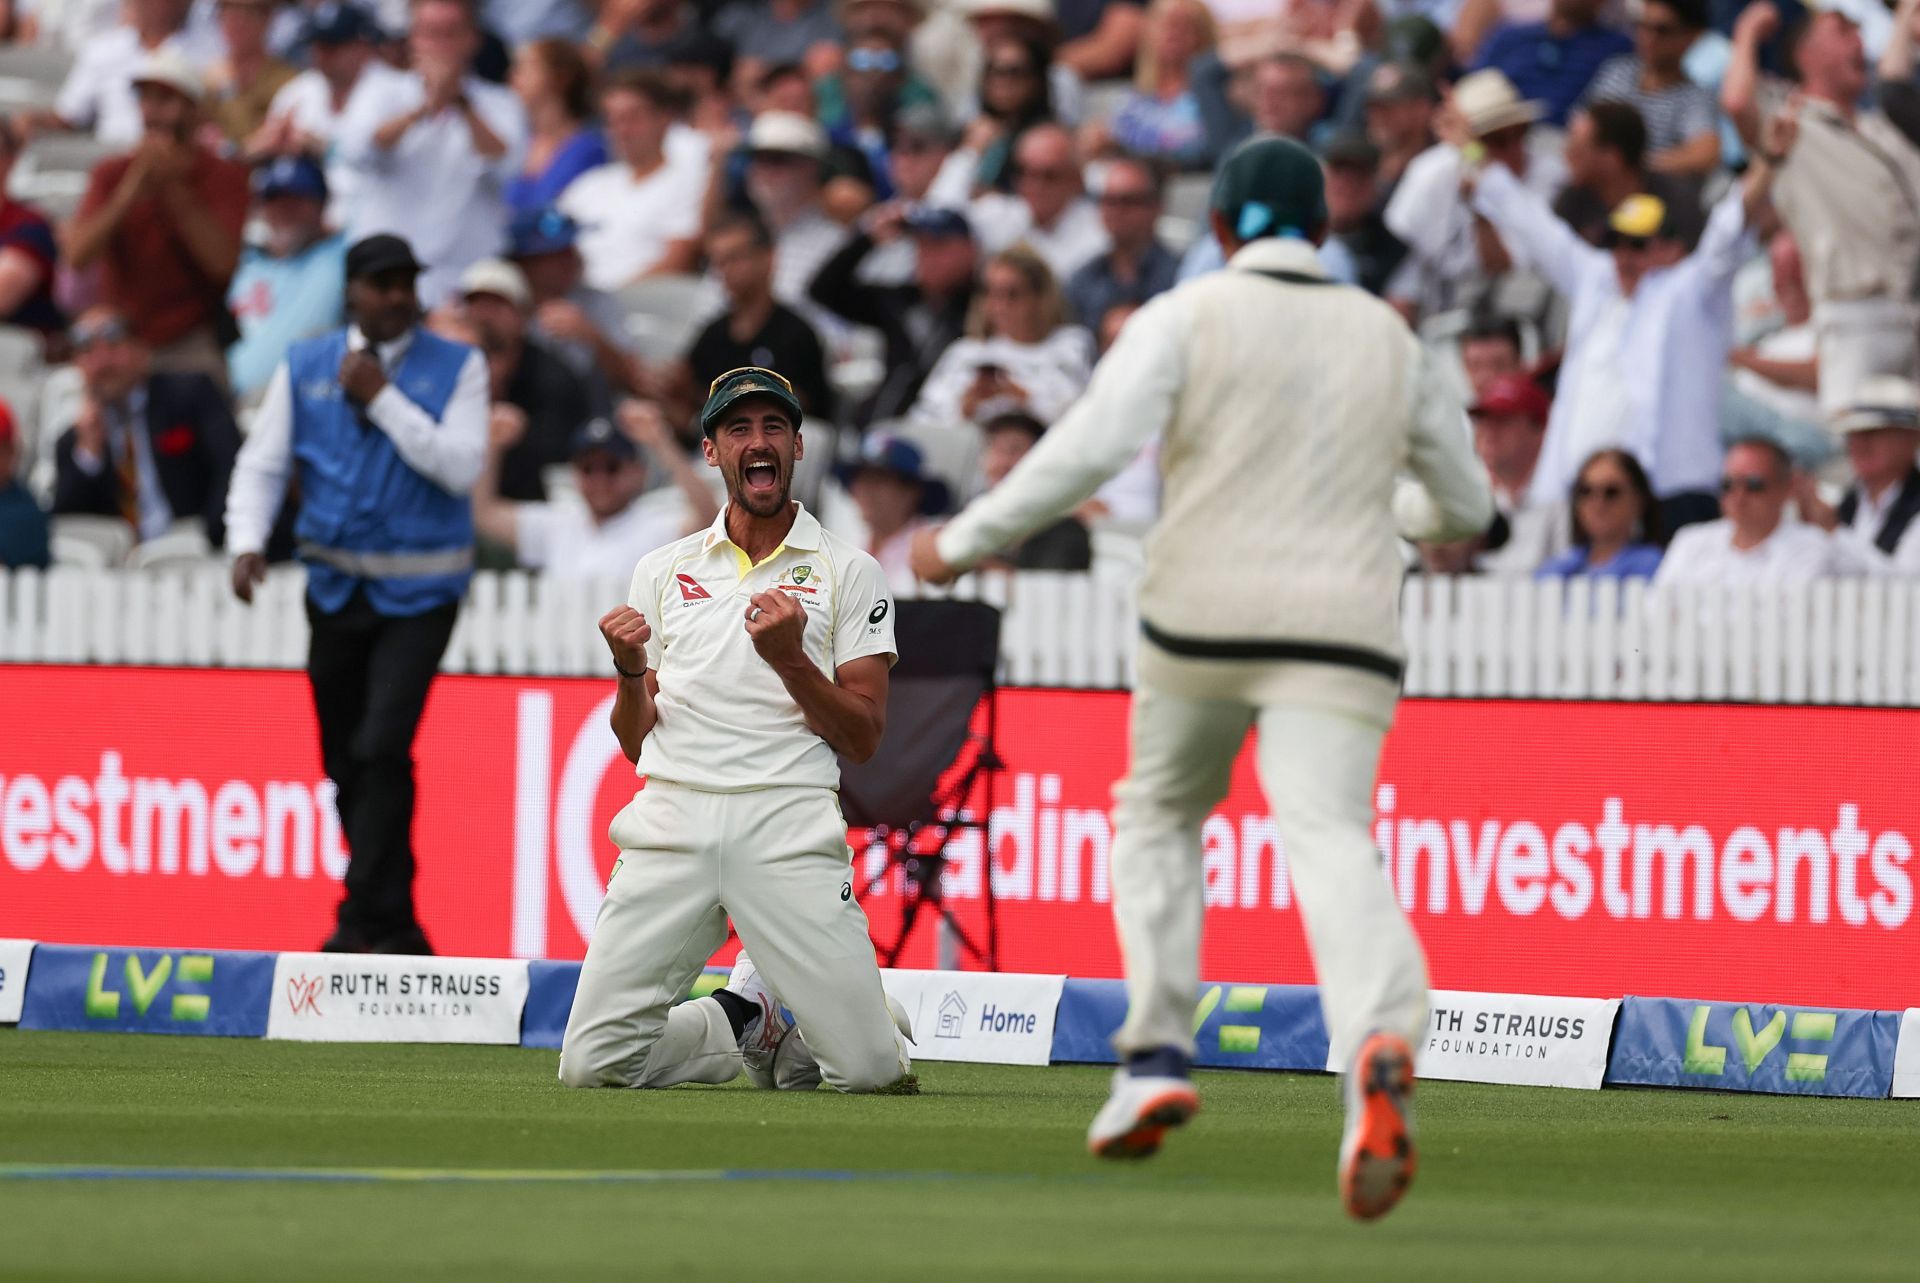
point(1848, 641)
point(980, 1017)
point(1731, 853)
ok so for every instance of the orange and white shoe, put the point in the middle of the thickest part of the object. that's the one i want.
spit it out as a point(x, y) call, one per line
point(1139, 1113)
point(1377, 1159)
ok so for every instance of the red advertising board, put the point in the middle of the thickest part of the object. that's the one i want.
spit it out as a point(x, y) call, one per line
point(1723, 852)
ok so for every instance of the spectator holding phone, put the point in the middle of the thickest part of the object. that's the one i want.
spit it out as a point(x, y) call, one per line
point(1019, 347)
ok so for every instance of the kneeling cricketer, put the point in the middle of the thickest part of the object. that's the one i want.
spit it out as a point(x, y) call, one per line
point(748, 656)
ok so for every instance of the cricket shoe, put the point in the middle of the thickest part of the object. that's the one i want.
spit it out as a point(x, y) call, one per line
point(1377, 1159)
point(760, 1040)
point(1139, 1113)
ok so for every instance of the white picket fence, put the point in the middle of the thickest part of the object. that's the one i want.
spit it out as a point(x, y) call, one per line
point(1832, 642)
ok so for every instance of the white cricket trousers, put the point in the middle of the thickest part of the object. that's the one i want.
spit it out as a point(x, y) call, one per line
point(1317, 768)
point(777, 861)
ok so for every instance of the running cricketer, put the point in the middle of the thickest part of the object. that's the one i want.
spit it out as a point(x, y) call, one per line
point(1289, 410)
point(747, 656)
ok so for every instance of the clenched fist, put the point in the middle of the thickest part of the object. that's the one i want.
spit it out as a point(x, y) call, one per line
point(627, 633)
point(361, 377)
point(778, 625)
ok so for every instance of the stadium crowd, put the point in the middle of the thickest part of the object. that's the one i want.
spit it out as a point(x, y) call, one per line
point(1674, 245)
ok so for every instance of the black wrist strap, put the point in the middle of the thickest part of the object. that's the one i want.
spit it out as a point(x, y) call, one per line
point(624, 673)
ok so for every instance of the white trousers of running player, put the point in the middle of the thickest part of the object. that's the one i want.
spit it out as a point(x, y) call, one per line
point(1317, 767)
point(777, 861)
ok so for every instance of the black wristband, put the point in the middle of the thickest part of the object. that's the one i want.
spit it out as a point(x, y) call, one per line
point(624, 673)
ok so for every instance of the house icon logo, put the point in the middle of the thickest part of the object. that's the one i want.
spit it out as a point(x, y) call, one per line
point(953, 1015)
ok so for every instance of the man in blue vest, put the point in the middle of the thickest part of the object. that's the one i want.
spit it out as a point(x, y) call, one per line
point(385, 427)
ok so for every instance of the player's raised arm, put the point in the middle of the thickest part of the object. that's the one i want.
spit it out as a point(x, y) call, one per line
point(634, 712)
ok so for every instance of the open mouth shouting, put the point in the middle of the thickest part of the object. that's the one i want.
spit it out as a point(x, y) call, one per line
point(761, 477)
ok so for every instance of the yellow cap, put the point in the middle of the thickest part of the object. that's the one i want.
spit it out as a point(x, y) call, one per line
point(1641, 216)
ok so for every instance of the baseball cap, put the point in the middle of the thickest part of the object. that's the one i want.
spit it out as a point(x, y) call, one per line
point(1351, 149)
point(1638, 217)
point(166, 67)
point(1513, 394)
point(930, 220)
point(896, 456)
point(290, 176)
point(1398, 82)
point(1880, 401)
point(498, 277)
point(923, 120)
point(381, 253)
point(336, 23)
point(1270, 187)
point(541, 231)
point(789, 133)
point(737, 385)
point(600, 436)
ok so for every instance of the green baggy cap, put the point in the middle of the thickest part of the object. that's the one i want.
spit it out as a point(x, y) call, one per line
point(1270, 187)
point(750, 380)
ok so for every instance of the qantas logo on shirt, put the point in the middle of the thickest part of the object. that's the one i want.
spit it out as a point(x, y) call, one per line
point(690, 589)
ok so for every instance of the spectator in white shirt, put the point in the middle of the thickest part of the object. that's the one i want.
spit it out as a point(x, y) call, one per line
point(307, 113)
point(786, 168)
point(1753, 543)
point(1019, 346)
point(1878, 519)
point(1049, 209)
point(1648, 338)
point(639, 214)
point(1449, 254)
point(613, 522)
point(98, 92)
point(434, 148)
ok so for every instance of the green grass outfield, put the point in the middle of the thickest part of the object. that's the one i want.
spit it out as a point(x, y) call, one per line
point(981, 1177)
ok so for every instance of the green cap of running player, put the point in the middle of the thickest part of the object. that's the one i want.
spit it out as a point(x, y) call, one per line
point(737, 385)
point(1271, 187)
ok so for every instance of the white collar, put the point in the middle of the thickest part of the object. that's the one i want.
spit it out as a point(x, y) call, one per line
point(804, 537)
point(1279, 254)
point(388, 353)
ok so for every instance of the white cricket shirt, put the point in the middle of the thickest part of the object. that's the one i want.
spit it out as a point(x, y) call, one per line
point(726, 722)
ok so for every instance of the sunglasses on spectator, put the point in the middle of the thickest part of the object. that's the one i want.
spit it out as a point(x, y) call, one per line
point(884, 61)
point(1134, 199)
point(1010, 70)
point(1615, 240)
point(1749, 484)
point(908, 145)
point(599, 467)
point(1006, 291)
point(1044, 175)
point(1658, 30)
point(1609, 491)
point(86, 336)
